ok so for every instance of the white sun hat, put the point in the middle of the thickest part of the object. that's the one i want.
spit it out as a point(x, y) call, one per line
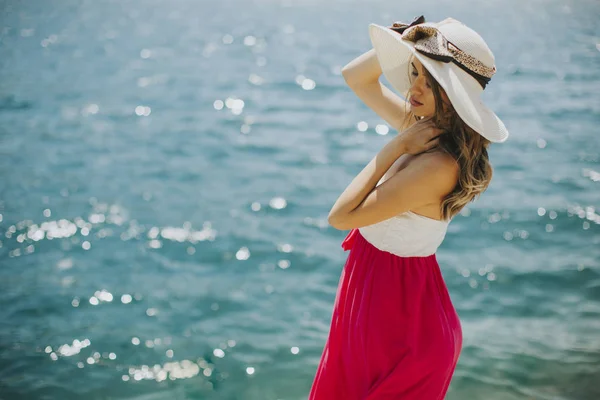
point(455, 55)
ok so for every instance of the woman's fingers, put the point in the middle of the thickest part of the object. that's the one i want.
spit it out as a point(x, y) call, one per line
point(436, 134)
point(422, 136)
point(433, 143)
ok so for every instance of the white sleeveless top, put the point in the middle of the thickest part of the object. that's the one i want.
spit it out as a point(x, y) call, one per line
point(407, 234)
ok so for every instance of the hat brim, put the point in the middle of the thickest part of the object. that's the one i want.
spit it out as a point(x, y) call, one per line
point(463, 91)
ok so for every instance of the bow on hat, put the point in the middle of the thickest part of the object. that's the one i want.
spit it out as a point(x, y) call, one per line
point(400, 27)
point(428, 40)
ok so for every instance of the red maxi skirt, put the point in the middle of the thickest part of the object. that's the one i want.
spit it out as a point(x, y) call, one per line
point(394, 331)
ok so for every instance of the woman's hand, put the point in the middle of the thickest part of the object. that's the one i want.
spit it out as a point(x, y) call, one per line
point(419, 137)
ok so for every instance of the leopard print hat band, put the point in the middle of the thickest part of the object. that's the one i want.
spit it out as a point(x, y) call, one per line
point(429, 41)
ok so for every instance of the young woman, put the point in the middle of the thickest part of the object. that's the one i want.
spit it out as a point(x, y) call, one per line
point(395, 333)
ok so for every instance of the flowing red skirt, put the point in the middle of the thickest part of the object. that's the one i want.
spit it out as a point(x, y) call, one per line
point(394, 331)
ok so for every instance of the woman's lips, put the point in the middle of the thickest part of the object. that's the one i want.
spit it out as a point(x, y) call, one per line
point(415, 103)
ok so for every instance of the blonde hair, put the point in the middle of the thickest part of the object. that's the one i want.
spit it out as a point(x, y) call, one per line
point(465, 145)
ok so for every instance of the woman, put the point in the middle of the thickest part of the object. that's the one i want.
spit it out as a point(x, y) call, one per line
point(395, 333)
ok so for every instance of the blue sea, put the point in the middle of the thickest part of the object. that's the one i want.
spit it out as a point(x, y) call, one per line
point(166, 172)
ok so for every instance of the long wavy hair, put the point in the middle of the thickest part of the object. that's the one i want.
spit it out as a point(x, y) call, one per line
point(465, 145)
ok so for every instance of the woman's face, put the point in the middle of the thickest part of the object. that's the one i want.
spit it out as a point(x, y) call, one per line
point(421, 99)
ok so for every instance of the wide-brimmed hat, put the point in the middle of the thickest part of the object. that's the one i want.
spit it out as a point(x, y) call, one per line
point(455, 55)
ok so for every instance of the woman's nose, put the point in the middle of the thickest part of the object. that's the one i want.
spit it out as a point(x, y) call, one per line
point(416, 88)
point(417, 85)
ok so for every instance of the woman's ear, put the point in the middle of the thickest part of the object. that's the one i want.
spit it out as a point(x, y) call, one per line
point(445, 99)
point(444, 95)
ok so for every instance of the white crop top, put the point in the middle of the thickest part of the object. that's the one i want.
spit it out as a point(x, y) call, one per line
point(407, 234)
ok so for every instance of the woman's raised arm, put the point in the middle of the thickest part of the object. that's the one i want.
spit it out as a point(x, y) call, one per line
point(362, 76)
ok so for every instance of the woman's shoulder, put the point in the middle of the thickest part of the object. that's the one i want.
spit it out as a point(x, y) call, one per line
point(438, 155)
point(449, 169)
point(447, 179)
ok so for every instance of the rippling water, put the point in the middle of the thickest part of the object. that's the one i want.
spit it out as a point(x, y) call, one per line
point(167, 168)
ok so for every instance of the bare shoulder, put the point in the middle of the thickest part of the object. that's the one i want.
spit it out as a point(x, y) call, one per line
point(442, 157)
point(442, 166)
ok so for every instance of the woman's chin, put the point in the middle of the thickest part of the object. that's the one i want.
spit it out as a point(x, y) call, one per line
point(416, 112)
